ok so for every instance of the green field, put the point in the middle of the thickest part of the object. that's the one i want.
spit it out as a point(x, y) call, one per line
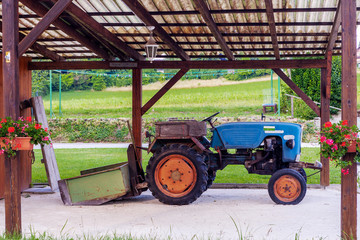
point(231, 100)
point(72, 161)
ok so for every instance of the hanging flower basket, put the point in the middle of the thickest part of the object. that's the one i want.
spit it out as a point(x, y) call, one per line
point(18, 143)
point(338, 139)
point(352, 146)
point(21, 134)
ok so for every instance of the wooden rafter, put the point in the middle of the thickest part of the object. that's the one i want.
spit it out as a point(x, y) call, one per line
point(115, 51)
point(163, 90)
point(297, 90)
point(145, 16)
point(41, 49)
point(334, 29)
point(41, 11)
point(271, 21)
point(204, 10)
point(238, 64)
point(90, 23)
point(45, 22)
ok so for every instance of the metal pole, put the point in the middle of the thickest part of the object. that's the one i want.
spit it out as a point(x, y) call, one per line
point(279, 95)
point(272, 86)
point(60, 112)
point(292, 106)
point(51, 111)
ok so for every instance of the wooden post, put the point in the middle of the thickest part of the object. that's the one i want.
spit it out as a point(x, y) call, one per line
point(292, 106)
point(325, 114)
point(10, 41)
point(136, 108)
point(348, 105)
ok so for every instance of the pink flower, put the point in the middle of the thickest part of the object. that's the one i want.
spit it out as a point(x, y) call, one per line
point(335, 147)
point(45, 139)
point(2, 151)
point(323, 139)
point(330, 142)
point(345, 171)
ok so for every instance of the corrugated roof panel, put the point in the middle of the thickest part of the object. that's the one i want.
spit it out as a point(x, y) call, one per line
point(258, 43)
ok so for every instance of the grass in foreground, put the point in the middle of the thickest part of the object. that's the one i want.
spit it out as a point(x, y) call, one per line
point(72, 161)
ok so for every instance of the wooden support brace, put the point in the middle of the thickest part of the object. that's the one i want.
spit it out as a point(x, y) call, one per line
point(39, 28)
point(163, 90)
point(297, 90)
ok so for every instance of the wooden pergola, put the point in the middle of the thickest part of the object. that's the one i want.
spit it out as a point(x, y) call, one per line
point(249, 34)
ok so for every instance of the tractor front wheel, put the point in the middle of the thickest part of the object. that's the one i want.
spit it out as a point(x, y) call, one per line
point(287, 186)
point(177, 175)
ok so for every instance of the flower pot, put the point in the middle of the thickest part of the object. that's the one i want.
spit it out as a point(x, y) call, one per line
point(352, 147)
point(19, 143)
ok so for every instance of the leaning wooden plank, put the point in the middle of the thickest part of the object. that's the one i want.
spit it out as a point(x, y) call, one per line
point(48, 153)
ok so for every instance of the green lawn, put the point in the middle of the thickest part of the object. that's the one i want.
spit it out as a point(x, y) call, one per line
point(231, 100)
point(72, 161)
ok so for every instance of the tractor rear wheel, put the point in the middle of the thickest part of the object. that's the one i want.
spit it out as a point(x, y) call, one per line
point(211, 178)
point(177, 174)
point(287, 186)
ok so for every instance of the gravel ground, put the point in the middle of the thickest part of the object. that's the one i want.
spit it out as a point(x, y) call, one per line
point(217, 214)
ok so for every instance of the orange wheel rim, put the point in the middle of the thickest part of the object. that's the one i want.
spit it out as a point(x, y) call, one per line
point(287, 188)
point(175, 175)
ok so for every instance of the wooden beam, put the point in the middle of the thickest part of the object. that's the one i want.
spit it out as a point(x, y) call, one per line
point(114, 50)
point(136, 109)
point(325, 114)
point(41, 26)
point(145, 16)
point(163, 90)
point(41, 11)
point(334, 29)
point(90, 23)
point(241, 64)
point(204, 10)
point(41, 49)
point(271, 21)
point(10, 95)
point(297, 90)
point(348, 106)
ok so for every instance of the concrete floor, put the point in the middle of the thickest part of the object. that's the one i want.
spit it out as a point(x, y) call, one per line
point(217, 214)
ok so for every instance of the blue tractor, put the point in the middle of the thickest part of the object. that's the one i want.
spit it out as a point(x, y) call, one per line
point(184, 161)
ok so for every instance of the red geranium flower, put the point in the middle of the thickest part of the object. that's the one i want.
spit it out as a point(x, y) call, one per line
point(11, 129)
point(327, 124)
point(344, 123)
point(343, 144)
point(37, 126)
point(28, 119)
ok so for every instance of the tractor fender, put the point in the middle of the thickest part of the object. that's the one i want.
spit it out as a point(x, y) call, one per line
point(158, 142)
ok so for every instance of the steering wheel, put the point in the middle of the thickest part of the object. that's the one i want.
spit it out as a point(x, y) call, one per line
point(208, 119)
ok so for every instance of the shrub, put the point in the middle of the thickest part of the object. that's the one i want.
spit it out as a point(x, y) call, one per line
point(308, 80)
point(98, 83)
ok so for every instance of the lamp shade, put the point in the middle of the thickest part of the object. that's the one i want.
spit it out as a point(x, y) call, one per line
point(151, 48)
